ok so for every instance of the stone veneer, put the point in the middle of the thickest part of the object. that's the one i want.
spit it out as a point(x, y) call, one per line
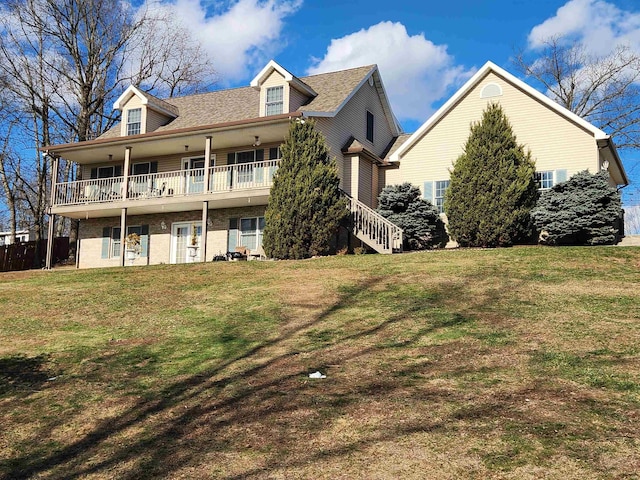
point(90, 235)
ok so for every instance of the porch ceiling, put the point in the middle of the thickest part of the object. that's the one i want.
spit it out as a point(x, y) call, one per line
point(157, 145)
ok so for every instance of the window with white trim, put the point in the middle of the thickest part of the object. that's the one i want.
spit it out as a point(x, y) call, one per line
point(114, 250)
point(274, 104)
point(251, 232)
point(544, 179)
point(438, 194)
point(134, 121)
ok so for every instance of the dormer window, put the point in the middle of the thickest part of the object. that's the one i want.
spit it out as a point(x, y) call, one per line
point(134, 121)
point(275, 101)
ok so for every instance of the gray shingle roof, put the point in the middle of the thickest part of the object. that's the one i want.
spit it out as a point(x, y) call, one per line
point(333, 88)
point(243, 103)
point(394, 145)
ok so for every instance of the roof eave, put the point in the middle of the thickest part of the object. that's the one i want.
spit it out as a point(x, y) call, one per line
point(469, 84)
point(168, 133)
point(608, 142)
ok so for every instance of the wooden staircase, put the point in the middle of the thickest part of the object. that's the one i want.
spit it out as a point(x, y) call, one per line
point(372, 228)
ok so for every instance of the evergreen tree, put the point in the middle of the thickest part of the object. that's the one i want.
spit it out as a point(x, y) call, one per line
point(493, 187)
point(584, 210)
point(404, 206)
point(305, 205)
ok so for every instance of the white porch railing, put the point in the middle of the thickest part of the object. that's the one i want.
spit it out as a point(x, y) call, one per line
point(373, 229)
point(245, 176)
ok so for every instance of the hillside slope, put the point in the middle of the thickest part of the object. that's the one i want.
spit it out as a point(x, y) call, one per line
point(513, 363)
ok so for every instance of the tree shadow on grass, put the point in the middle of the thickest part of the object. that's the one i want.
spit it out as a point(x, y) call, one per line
point(261, 406)
point(275, 386)
point(21, 375)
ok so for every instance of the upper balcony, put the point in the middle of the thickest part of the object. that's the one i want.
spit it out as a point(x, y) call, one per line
point(227, 186)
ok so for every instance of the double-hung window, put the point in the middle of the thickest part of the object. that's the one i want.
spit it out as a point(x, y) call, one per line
point(115, 238)
point(251, 232)
point(274, 104)
point(438, 197)
point(544, 179)
point(134, 121)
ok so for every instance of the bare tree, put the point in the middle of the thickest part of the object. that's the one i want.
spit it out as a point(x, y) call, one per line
point(64, 61)
point(632, 220)
point(605, 90)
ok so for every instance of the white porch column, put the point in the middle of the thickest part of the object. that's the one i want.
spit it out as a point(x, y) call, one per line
point(52, 217)
point(355, 176)
point(203, 238)
point(123, 234)
point(127, 161)
point(207, 163)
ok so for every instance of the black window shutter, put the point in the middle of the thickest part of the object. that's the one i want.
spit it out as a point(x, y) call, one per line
point(273, 153)
point(118, 171)
point(260, 155)
point(94, 173)
point(154, 167)
point(231, 158)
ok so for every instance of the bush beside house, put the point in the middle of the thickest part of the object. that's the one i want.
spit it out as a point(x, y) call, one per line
point(584, 210)
point(305, 205)
point(404, 206)
point(493, 187)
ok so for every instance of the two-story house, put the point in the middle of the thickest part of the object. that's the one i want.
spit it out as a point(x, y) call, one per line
point(196, 171)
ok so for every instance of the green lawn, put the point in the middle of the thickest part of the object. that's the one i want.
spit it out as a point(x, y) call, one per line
point(512, 363)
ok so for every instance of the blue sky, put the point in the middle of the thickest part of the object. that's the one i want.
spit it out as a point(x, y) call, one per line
point(425, 50)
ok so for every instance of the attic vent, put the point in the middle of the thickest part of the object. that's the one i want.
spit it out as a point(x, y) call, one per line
point(491, 90)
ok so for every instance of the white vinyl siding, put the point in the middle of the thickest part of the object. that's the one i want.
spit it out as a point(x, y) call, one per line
point(365, 174)
point(296, 99)
point(351, 122)
point(155, 120)
point(554, 141)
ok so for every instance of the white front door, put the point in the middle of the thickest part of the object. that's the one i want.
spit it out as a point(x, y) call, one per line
point(182, 235)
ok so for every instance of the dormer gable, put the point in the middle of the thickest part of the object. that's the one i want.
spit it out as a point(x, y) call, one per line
point(280, 90)
point(142, 112)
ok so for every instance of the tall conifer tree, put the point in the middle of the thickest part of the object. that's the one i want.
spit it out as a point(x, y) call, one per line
point(493, 187)
point(305, 205)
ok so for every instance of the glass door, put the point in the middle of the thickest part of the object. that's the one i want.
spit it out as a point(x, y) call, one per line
point(183, 249)
point(194, 177)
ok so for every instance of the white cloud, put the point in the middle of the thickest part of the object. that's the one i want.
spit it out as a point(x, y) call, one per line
point(239, 37)
point(415, 71)
point(597, 25)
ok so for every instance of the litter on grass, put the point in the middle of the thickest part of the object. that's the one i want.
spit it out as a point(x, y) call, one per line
point(317, 375)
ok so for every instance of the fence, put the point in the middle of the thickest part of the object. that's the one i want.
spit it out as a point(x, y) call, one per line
point(27, 255)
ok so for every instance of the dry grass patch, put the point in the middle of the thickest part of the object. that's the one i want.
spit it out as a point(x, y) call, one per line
point(518, 363)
